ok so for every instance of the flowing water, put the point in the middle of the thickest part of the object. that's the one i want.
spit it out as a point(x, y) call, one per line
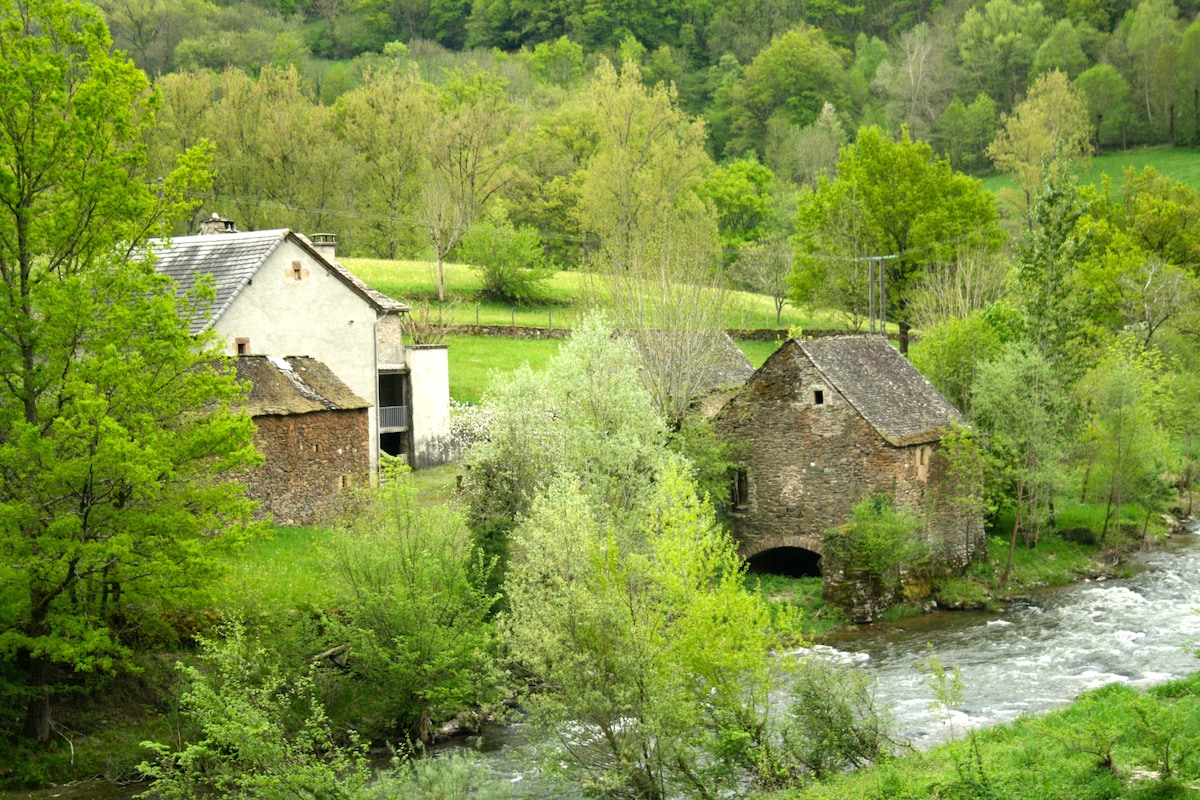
point(1040, 654)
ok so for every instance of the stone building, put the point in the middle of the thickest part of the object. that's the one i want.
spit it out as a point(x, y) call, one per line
point(825, 423)
point(280, 294)
point(313, 434)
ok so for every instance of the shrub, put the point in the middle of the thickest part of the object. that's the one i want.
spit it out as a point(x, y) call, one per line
point(511, 260)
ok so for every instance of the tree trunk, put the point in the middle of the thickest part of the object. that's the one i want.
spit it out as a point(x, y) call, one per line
point(37, 712)
point(903, 336)
point(1012, 544)
point(1171, 122)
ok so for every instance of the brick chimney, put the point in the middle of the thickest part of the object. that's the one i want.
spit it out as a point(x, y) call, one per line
point(325, 244)
point(215, 224)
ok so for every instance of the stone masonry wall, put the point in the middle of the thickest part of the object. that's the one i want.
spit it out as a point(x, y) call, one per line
point(309, 459)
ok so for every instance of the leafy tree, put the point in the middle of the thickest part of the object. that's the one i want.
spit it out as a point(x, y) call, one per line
point(1153, 40)
point(1046, 259)
point(586, 414)
point(1049, 130)
point(1106, 93)
point(805, 155)
point(115, 423)
point(997, 43)
point(963, 132)
point(470, 150)
point(641, 178)
point(653, 655)
point(385, 125)
point(1062, 51)
point(415, 612)
point(511, 259)
point(1127, 401)
point(280, 164)
point(740, 194)
point(879, 543)
point(906, 204)
point(951, 353)
point(1019, 400)
point(793, 77)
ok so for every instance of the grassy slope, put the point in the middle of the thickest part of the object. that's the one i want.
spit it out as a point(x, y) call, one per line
point(1179, 164)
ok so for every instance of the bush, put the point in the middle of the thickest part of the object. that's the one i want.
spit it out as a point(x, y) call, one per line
point(511, 260)
point(879, 543)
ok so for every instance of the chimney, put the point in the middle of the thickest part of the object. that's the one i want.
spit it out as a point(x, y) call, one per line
point(325, 244)
point(217, 225)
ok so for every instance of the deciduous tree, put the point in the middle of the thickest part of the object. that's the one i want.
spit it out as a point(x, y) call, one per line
point(115, 424)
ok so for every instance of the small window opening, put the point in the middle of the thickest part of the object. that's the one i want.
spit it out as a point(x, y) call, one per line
point(243, 346)
point(296, 270)
point(316, 447)
point(818, 397)
point(740, 495)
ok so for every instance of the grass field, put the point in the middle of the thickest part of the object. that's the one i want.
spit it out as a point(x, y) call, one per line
point(568, 295)
point(1179, 164)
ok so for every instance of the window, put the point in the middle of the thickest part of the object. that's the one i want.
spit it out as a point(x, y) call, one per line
point(296, 270)
point(242, 346)
point(740, 494)
point(818, 397)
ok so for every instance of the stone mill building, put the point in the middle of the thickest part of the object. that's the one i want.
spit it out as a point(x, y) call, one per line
point(827, 422)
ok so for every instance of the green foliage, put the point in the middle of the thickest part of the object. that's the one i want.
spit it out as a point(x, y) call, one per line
point(262, 732)
point(510, 259)
point(414, 611)
point(115, 423)
point(586, 414)
point(647, 644)
point(457, 776)
point(740, 193)
point(836, 722)
point(951, 354)
point(879, 543)
point(899, 201)
point(713, 459)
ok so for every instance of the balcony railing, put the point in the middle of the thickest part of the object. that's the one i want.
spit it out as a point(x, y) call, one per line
point(390, 354)
point(393, 418)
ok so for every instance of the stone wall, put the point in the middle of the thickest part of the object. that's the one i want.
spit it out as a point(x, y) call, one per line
point(309, 459)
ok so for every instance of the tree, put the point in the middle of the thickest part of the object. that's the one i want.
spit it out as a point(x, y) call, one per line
point(794, 77)
point(115, 423)
point(1106, 93)
point(1153, 41)
point(1126, 400)
point(740, 193)
point(963, 132)
point(915, 83)
point(1018, 399)
point(652, 653)
point(1061, 51)
point(764, 267)
point(511, 259)
point(470, 149)
point(908, 205)
point(805, 155)
point(997, 43)
point(1049, 130)
point(385, 124)
point(642, 176)
point(279, 163)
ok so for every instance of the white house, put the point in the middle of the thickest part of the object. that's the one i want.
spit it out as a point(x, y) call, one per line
point(279, 294)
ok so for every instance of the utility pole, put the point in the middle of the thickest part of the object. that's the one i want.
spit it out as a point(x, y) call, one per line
point(876, 292)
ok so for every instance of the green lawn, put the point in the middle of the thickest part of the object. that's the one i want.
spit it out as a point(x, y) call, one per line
point(568, 295)
point(1179, 164)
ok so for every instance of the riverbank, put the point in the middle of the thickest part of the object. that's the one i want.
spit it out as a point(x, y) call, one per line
point(1112, 743)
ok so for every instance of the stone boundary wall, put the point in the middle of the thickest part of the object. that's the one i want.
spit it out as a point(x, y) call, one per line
point(748, 334)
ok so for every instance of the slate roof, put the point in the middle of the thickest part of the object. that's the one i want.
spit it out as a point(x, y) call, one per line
point(293, 385)
point(232, 259)
point(883, 386)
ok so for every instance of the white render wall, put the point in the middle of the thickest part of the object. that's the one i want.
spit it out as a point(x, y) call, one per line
point(429, 379)
point(317, 316)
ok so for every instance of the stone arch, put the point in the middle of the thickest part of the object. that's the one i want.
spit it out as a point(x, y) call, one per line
point(798, 556)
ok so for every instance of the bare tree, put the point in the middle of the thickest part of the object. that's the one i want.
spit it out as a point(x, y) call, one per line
point(971, 282)
point(764, 268)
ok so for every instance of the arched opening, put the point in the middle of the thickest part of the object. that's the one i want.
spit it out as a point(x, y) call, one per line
point(794, 562)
